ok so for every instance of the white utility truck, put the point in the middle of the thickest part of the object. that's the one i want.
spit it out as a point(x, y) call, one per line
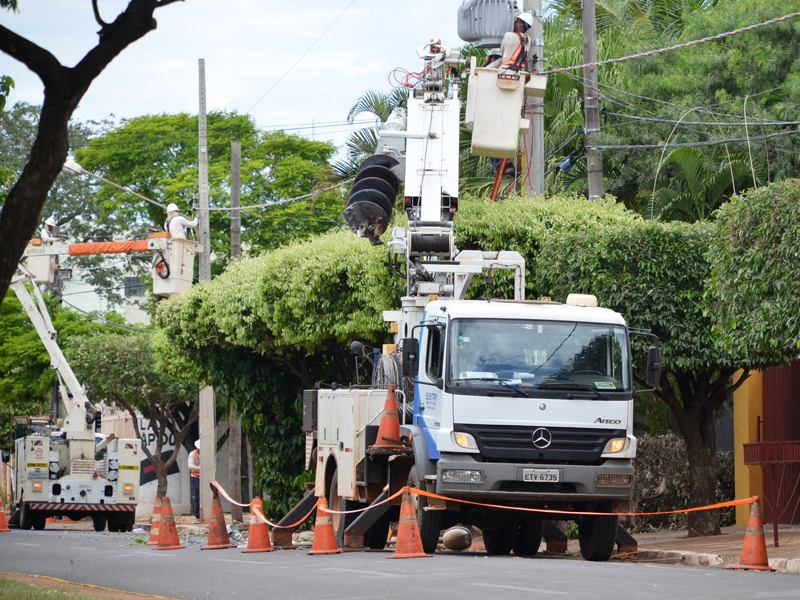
point(506, 402)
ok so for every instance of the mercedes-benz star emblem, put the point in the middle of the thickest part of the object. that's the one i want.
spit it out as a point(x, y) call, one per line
point(542, 438)
point(542, 406)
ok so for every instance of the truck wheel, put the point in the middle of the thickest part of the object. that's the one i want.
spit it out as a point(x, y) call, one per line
point(25, 515)
point(376, 536)
point(529, 537)
point(336, 502)
point(597, 535)
point(500, 541)
point(39, 520)
point(99, 523)
point(429, 521)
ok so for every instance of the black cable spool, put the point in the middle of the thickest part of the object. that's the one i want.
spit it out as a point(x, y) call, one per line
point(430, 243)
point(381, 173)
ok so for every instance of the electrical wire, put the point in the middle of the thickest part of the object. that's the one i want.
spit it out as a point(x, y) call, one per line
point(690, 144)
point(107, 322)
point(302, 56)
point(706, 123)
point(279, 202)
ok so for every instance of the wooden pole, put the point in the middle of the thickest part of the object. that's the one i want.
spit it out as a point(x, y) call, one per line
point(235, 424)
point(207, 417)
point(591, 102)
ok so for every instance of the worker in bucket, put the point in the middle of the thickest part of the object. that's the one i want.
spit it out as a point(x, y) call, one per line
point(176, 223)
point(49, 231)
point(194, 472)
point(515, 45)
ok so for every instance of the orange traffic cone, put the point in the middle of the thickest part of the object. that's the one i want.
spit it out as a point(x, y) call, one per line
point(324, 537)
point(389, 430)
point(3, 522)
point(167, 532)
point(50, 520)
point(258, 535)
point(155, 523)
point(754, 549)
point(217, 531)
point(409, 544)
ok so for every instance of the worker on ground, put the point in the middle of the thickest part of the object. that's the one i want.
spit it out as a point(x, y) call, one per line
point(515, 45)
point(176, 223)
point(194, 472)
point(49, 230)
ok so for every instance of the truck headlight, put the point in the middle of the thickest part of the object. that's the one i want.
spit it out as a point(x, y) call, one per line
point(616, 445)
point(462, 476)
point(464, 440)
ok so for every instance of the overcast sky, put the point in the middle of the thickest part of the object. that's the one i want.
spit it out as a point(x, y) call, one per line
point(247, 46)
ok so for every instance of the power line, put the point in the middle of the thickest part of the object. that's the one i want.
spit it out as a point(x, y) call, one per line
point(303, 55)
point(107, 322)
point(707, 123)
point(693, 144)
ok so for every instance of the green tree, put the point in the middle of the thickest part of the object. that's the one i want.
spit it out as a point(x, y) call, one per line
point(655, 275)
point(124, 373)
point(25, 372)
point(157, 156)
point(63, 89)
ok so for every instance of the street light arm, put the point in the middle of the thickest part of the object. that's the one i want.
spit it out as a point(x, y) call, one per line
point(74, 169)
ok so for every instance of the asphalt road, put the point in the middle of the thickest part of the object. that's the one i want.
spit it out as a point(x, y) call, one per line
point(117, 561)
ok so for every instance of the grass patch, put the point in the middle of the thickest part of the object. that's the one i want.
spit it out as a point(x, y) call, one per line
point(16, 590)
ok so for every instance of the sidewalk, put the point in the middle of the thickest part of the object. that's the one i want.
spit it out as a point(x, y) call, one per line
point(720, 550)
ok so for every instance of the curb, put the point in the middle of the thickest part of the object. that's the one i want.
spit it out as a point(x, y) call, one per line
point(785, 565)
point(676, 557)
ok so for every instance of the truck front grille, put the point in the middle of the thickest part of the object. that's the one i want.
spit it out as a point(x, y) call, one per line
point(570, 445)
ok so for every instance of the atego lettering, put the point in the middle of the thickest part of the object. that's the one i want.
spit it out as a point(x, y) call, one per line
point(609, 421)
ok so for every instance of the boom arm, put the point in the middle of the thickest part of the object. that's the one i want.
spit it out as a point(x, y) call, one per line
point(37, 312)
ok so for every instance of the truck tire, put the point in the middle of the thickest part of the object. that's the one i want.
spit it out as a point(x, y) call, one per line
point(500, 541)
point(529, 537)
point(336, 502)
point(429, 521)
point(376, 536)
point(25, 515)
point(597, 535)
point(99, 523)
point(39, 519)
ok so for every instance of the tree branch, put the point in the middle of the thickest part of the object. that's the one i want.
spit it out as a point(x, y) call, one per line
point(36, 58)
point(97, 15)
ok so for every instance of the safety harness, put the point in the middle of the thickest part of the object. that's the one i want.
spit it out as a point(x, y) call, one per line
point(519, 59)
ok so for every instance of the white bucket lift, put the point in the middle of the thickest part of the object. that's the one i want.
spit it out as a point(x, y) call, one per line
point(494, 108)
point(173, 263)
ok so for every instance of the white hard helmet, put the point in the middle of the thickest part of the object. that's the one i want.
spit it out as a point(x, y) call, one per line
point(50, 221)
point(172, 207)
point(526, 18)
point(197, 444)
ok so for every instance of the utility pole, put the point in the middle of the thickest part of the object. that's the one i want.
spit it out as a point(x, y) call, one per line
point(533, 182)
point(591, 102)
point(234, 423)
point(208, 434)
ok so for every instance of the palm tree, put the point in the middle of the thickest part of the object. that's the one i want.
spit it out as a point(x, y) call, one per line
point(703, 184)
point(362, 143)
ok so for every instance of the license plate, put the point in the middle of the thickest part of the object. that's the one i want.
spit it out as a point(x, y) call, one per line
point(37, 475)
point(539, 475)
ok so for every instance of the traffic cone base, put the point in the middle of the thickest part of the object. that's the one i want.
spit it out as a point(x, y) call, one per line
point(258, 535)
point(3, 522)
point(167, 531)
point(217, 531)
point(155, 522)
point(324, 537)
point(409, 543)
point(389, 430)
point(754, 549)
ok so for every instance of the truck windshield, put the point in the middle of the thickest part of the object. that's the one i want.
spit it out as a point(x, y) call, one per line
point(543, 355)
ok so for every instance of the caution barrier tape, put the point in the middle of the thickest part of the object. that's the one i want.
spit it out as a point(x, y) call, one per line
point(227, 497)
point(570, 512)
point(358, 510)
point(258, 513)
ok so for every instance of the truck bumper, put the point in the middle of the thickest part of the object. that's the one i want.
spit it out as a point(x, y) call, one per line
point(505, 481)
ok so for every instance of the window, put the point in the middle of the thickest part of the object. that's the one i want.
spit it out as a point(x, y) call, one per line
point(434, 352)
point(133, 287)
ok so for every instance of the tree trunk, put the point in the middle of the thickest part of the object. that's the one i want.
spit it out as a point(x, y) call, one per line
point(702, 484)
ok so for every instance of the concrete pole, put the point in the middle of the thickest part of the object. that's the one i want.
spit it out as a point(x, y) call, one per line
point(207, 417)
point(591, 100)
point(533, 182)
point(235, 424)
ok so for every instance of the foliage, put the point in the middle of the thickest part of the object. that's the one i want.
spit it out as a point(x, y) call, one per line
point(123, 371)
point(754, 281)
point(157, 156)
point(25, 373)
point(6, 83)
point(662, 483)
point(746, 78)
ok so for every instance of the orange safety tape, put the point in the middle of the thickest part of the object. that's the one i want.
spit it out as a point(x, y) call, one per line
point(258, 512)
point(569, 512)
point(226, 496)
point(358, 510)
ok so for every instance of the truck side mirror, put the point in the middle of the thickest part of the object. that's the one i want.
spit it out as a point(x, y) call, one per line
point(6, 455)
point(653, 366)
point(410, 356)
